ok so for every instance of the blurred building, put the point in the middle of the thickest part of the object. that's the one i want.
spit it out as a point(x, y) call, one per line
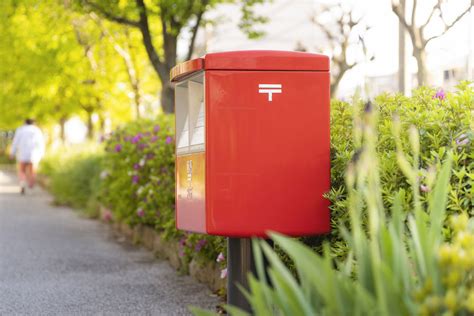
point(450, 58)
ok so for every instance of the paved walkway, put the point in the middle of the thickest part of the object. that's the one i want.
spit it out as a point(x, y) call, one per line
point(52, 262)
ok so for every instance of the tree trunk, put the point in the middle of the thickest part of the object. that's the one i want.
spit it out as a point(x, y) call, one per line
point(90, 126)
point(62, 132)
point(167, 98)
point(101, 124)
point(337, 79)
point(422, 75)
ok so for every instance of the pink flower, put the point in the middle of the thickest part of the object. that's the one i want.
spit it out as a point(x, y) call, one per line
point(107, 216)
point(224, 273)
point(220, 257)
point(424, 188)
point(140, 212)
point(440, 94)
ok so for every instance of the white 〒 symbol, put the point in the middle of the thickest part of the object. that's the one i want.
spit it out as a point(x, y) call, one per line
point(270, 89)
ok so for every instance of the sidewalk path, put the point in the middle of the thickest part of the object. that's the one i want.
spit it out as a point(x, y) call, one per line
point(52, 262)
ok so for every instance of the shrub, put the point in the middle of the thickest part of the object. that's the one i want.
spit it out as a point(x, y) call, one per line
point(138, 183)
point(443, 123)
point(73, 173)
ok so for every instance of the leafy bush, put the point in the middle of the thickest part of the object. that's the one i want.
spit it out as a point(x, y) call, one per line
point(73, 172)
point(399, 262)
point(444, 121)
point(138, 183)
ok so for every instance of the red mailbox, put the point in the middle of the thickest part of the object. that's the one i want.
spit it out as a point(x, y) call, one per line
point(252, 143)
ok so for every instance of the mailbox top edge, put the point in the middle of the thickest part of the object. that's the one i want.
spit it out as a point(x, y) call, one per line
point(252, 60)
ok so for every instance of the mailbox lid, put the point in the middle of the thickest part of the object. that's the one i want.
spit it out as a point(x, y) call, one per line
point(266, 60)
point(252, 60)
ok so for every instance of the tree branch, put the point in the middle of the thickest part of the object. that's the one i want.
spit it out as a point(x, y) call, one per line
point(156, 62)
point(413, 12)
point(110, 16)
point(195, 29)
point(447, 27)
point(401, 16)
point(433, 10)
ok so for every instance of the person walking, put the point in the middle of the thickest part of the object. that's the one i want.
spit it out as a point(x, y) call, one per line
point(28, 147)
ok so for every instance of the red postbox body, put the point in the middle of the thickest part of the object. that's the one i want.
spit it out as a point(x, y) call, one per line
point(252, 143)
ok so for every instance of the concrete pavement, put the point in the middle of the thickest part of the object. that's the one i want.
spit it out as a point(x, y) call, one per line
point(52, 262)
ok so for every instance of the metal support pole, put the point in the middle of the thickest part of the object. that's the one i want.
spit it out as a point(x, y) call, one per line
point(239, 263)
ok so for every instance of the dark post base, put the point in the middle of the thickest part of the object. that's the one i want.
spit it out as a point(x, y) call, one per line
point(239, 263)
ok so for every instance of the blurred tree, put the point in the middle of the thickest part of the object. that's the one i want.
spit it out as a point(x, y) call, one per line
point(168, 18)
point(416, 29)
point(344, 31)
point(34, 48)
point(57, 64)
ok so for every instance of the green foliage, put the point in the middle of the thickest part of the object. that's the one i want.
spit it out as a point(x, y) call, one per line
point(73, 173)
point(138, 183)
point(443, 124)
point(57, 63)
point(399, 262)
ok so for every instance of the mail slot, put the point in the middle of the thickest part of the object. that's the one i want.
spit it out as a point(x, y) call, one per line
point(252, 143)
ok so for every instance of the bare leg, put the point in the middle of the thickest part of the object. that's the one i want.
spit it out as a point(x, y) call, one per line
point(22, 176)
point(30, 174)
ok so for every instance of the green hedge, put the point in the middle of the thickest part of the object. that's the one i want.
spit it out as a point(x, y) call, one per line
point(138, 183)
point(73, 175)
point(444, 120)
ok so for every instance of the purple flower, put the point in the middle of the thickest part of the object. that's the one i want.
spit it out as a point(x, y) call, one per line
point(118, 148)
point(140, 212)
point(462, 140)
point(142, 146)
point(169, 139)
point(136, 166)
point(135, 179)
point(182, 242)
point(156, 128)
point(440, 94)
point(102, 139)
point(224, 273)
point(154, 139)
point(135, 139)
point(201, 243)
point(147, 134)
point(150, 156)
point(220, 257)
